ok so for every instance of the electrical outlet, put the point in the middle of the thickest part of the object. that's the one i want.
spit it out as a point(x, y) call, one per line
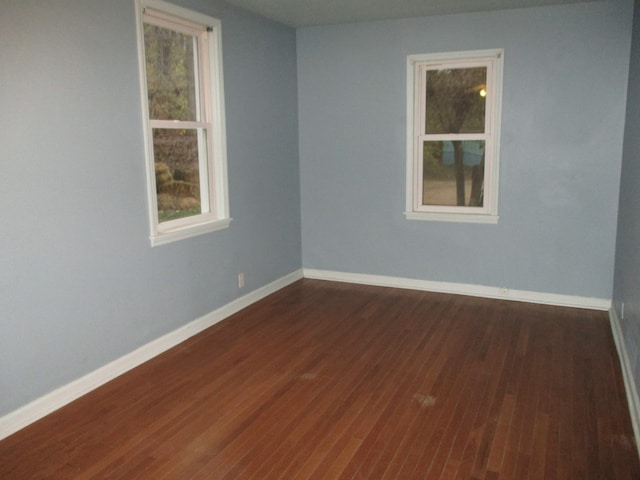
point(241, 280)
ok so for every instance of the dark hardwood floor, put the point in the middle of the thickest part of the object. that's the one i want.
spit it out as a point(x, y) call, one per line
point(338, 381)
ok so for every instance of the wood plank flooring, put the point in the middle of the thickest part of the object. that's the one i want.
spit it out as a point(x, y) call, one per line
point(325, 380)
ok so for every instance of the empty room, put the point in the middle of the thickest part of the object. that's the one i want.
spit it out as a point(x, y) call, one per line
point(302, 239)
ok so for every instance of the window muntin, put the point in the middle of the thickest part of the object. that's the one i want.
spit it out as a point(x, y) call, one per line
point(453, 126)
point(183, 104)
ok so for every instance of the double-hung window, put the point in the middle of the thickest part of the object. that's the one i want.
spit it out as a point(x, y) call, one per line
point(453, 126)
point(183, 112)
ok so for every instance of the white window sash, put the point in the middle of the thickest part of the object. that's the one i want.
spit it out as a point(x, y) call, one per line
point(209, 123)
point(178, 124)
point(417, 68)
point(172, 22)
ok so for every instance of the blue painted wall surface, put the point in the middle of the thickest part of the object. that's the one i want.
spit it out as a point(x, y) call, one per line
point(565, 76)
point(627, 272)
point(79, 283)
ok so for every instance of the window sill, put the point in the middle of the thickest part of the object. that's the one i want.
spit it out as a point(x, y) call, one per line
point(188, 231)
point(453, 217)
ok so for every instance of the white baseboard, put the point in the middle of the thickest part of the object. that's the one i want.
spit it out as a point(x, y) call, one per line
point(462, 289)
point(627, 375)
point(60, 397)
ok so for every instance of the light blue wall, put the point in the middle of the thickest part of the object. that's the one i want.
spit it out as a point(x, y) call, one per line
point(565, 75)
point(627, 273)
point(79, 283)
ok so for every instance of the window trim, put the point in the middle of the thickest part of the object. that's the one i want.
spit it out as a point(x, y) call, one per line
point(416, 65)
point(215, 215)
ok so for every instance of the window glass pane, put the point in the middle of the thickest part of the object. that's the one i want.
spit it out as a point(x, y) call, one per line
point(453, 173)
point(455, 100)
point(171, 74)
point(176, 153)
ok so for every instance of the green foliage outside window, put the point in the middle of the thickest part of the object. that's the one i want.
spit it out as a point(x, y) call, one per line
point(171, 86)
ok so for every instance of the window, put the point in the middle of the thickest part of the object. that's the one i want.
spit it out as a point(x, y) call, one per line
point(453, 125)
point(183, 112)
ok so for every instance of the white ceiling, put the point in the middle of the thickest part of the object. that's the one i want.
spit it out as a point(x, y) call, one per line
point(302, 13)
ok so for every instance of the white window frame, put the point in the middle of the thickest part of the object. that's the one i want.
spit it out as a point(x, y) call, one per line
point(210, 92)
point(417, 66)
